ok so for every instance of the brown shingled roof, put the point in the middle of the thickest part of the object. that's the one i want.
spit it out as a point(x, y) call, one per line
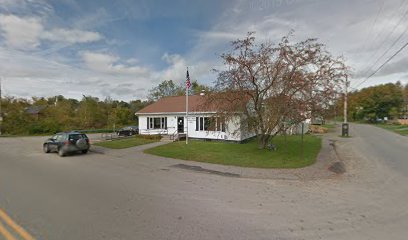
point(175, 104)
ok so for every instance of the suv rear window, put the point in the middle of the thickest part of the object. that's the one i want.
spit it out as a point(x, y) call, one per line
point(77, 136)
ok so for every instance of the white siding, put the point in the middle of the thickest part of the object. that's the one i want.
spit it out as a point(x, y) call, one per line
point(232, 133)
point(232, 130)
point(142, 124)
point(245, 134)
point(171, 125)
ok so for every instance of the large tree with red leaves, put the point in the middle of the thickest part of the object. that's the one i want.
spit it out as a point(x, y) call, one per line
point(269, 84)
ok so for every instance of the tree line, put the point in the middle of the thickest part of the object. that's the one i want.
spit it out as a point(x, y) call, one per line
point(378, 102)
point(40, 115)
point(55, 114)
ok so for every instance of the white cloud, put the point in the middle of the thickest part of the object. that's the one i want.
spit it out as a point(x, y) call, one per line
point(132, 60)
point(71, 36)
point(26, 33)
point(176, 70)
point(17, 64)
point(220, 35)
point(394, 67)
point(10, 3)
point(107, 63)
point(345, 31)
point(27, 75)
point(102, 72)
point(37, 7)
point(21, 33)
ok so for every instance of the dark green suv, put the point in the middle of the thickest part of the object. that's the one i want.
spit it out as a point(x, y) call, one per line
point(67, 142)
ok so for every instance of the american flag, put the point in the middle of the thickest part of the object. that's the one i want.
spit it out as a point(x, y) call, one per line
point(188, 83)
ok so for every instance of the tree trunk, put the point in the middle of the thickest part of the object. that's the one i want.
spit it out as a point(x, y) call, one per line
point(263, 140)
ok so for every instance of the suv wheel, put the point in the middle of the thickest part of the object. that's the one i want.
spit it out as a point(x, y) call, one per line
point(46, 148)
point(85, 151)
point(81, 143)
point(61, 152)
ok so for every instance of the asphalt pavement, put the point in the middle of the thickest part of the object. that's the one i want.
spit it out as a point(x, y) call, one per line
point(385, 146)
point(125, 194)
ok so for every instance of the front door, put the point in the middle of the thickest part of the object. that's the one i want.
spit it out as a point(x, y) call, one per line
point(180, 124)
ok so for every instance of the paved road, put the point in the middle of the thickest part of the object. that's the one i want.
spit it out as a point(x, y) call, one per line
point(383, 145)
point(126, 194)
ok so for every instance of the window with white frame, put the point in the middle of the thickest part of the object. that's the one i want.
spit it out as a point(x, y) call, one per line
point(210, 124)
point(157, 123)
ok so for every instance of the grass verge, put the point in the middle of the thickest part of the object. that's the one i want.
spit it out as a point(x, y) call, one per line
point(128, 142)
point(287, 155)
point(400, 129)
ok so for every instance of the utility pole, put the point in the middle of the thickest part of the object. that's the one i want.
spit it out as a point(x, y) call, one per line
point(345, 125)
point(345, 101)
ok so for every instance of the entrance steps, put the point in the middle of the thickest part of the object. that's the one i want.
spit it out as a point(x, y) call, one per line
point(166, 138)
point(173, 138)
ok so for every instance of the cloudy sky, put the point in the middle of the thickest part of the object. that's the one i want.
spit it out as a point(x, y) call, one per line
point(122, 48)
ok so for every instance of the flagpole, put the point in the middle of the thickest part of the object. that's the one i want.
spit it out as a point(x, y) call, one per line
point(187, 108)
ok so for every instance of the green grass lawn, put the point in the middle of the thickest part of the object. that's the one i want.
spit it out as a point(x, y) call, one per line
point(400, 129)
point(247, 154)
point(128, 142)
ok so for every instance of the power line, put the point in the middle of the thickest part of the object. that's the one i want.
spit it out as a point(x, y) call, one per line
point(391, 17)
point(382, 65)
point(373, 25)
point(392, 45)
point(385, 40)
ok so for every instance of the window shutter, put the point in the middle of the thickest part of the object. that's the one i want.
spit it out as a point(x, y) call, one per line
point(201, 123)
point(196, 123)
point(148, 122)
